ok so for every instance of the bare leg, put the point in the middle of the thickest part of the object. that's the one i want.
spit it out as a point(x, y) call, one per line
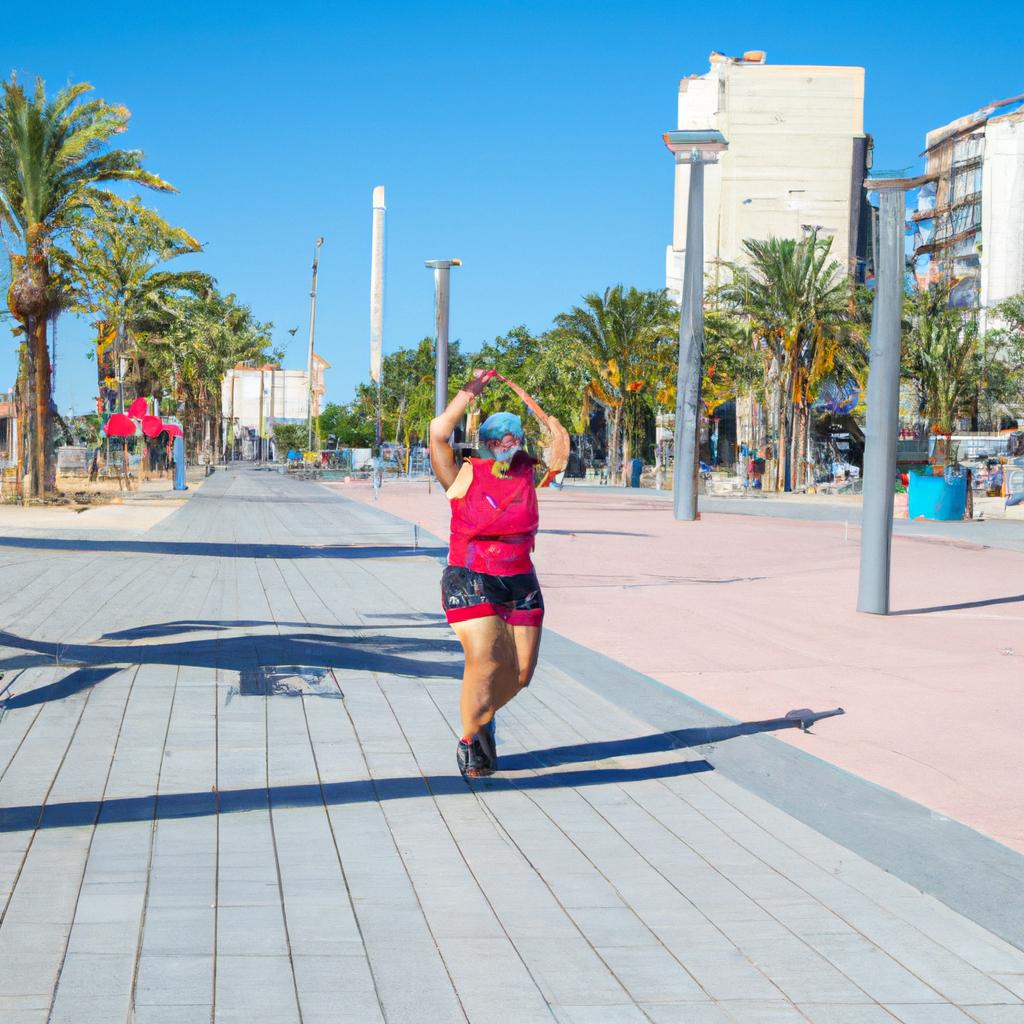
point(527, 640)
point(492, 675)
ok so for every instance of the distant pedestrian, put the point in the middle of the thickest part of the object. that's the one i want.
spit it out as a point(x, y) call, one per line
point(489, 589)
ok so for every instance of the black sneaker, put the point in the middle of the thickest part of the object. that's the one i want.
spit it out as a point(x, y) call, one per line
point(488, 740)
point(477, 759)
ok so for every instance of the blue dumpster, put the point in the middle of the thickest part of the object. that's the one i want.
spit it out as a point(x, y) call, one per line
point(636, 467)
point(937, 497)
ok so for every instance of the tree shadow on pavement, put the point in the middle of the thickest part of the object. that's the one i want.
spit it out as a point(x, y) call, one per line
point(84, 546)
point(86, 813)
point(158, 629)
point(418, 657)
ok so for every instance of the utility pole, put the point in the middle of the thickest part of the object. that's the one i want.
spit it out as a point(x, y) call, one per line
point(259, 429)
point(377, 302)
point(312, 330)
point(883, 396)
point(441, 270)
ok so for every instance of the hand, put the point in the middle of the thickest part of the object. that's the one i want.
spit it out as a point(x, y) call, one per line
point(559, 446)
point(479, 381)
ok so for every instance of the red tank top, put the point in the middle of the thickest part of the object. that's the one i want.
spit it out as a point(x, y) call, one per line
point(494, 524)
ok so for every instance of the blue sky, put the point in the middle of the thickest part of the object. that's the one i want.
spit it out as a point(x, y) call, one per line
point(521, 137)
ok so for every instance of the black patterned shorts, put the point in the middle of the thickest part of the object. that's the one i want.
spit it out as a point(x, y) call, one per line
point(467, 594)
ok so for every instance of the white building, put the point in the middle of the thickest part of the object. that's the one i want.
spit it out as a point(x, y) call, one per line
point(253, 399)
point(796, 159)
point(969, 223)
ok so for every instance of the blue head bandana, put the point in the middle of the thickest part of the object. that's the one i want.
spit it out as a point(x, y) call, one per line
point(495, 427)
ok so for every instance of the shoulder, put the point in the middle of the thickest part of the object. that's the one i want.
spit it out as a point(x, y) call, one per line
point(460, 485)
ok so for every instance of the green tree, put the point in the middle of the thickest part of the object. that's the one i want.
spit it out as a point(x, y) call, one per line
point(941, 355)
point(544, 365)
point(407, 390)
point(200, 338)
point(621, 338)
point(1001, 397)
point(350, 426)
point(116, 270)
point(290, 437)
point(54, 157)
point(800, 314)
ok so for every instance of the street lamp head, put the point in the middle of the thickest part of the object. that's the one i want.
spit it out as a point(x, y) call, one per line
point(696, 146)
point(442, 264)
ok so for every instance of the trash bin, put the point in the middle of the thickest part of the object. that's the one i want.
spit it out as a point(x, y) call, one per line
point(937, 497)
point(636, 467)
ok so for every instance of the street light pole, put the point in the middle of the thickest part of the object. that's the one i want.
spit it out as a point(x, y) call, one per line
point(377, 304)
point(691, 352)
point(312, 330)
point(441, 270)
point(883, 397)
point(694, 148)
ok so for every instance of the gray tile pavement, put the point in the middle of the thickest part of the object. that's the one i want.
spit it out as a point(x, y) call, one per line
point(180, 841)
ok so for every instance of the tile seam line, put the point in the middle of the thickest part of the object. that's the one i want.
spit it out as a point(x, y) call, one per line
point(663, 784)
point(441, 815)
point(478, 795)
point(341, 865)
point(369, 774)
point(277, 857)
point(840, 915)
point(405, 868)
point(92, 836)
point(652, 693)
point(661, 875)
point(270, 799)
point(42, 806)
point(323, 796)
point(152, 849)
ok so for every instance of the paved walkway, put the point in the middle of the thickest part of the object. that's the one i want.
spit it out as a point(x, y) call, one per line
point(756, 614)
point(228, 794)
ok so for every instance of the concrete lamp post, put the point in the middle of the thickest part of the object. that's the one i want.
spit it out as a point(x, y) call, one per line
point(883, 397)
point(695, 148)
point(309, 360)
point(441, 270)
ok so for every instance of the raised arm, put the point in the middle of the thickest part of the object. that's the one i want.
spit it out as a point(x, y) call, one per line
point(442, 458)
point(558, 436)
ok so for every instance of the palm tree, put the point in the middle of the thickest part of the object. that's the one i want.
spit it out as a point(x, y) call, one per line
point(620, 338)
point(114, 271)
point(799, 312)
point(941, 355)
point(203, 337)
point(54, 155)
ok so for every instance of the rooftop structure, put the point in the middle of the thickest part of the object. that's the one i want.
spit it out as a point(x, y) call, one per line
point(796, 160)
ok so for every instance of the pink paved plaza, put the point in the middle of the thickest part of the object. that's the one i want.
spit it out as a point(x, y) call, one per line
point(756, 616)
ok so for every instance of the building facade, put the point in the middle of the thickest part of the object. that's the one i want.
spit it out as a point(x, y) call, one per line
point(968, 229)
point(254, 398)
point(8, 430)
point(796, 160)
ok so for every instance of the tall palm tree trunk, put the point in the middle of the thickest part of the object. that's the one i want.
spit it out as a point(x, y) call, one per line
point(22, 389)
point(42, 455)
point(613, 448)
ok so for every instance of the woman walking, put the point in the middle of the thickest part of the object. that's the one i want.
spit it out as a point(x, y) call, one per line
point(489, 588)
